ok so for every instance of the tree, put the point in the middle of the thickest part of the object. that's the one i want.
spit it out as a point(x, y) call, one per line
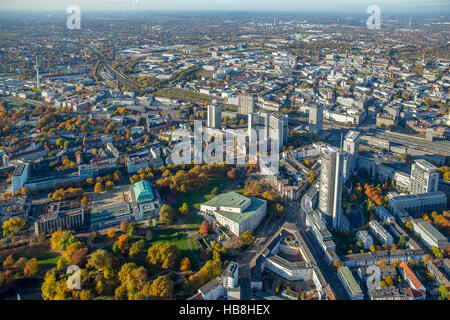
point(100, 260)
point(205, 227)
point(21, 263)
point(132, 230)
point(60, 239)
point(248, 237)
point(98, 187)
point(12, 226)
point(137, 247)
point(445, 295)
point(389, 281)
point(123, 242)
point(162, 288)
point(277, 210)
point(9, 261)
point(232, 174)
point(85, 295)
point(99, 287)
point(337, 263)
point(79, 256)
point(166, 255)
point(408, 225)
point(166, 214)
point(109, 185)
point(215, 191)
point(111, 233)
point(184, 209)
point(185, 264)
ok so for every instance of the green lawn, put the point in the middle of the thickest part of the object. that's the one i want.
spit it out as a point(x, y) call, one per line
point(46, 258)
point(195, 198)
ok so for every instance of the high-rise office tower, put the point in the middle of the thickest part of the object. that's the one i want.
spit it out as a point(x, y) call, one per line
point(330, 190)
point(351, 146)
point(424, 177)
point(315, 119)
point(275, 127)
point(245, 104)
point(214, 116)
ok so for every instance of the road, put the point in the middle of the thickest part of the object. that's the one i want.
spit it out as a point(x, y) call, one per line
point(329, 275)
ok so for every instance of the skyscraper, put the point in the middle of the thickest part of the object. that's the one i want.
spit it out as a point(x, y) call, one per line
point(351, 145)
point(315, 119)
point(330, 190)
point(424, 177)
point(214, 116)
point(245, 104)
point(275, 127)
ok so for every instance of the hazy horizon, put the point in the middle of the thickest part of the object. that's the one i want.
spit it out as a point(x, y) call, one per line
point(322, 6)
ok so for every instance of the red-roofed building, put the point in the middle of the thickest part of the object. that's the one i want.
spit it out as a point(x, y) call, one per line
point(409, 275)
point(415, 294)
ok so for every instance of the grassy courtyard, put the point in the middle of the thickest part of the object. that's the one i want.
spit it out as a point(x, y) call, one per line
point(195, 198)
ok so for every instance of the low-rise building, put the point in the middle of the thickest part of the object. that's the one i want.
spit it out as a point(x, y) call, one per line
point(429, 235)
point(381, 233)
point(350, 284)
point(111, 216)
point(236, 212)
point(365, 239)
point(145, 200)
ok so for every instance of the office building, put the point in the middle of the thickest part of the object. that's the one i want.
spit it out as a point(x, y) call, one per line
point(236, 212)
point(330, 190)
point(315, 119)
point(246, 104)
point(429, 235)
point(351, 146)
point(424, 177)
point(418, 203)
point(19, 177)
point(272, 127)
point(214, 116)
point(60, 216)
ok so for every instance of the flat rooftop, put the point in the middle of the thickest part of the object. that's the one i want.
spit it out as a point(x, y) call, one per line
point(229, 199)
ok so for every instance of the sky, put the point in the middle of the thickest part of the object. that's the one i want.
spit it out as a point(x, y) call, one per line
point(441, 7)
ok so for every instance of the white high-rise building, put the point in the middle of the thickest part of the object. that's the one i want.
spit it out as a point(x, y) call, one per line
point(275, 127)
point(214, 116)
point(245, 104)
point(330, 190)
point(351, 146)
point(315, 119)
point(424, 177)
